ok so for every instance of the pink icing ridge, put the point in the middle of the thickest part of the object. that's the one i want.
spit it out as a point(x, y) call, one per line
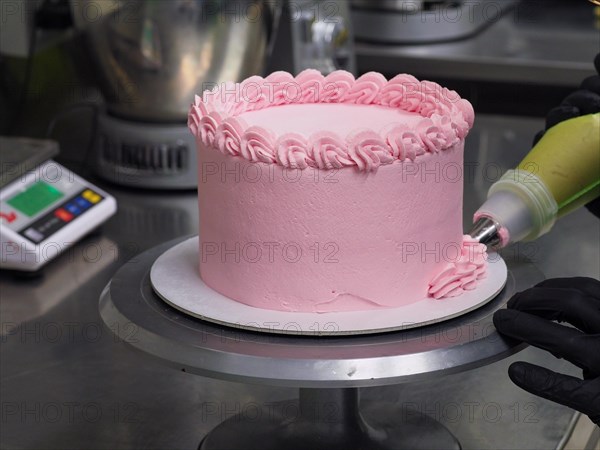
point(446, 119)
point(504, 235)
point(462, 274)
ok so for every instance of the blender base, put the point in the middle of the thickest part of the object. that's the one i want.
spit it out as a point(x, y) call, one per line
point(145, 155)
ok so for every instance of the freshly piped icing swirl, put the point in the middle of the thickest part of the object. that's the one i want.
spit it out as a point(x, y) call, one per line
point(442, 120)
point(462, 274)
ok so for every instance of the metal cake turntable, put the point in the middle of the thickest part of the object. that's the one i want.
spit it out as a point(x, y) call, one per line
point(329, 370)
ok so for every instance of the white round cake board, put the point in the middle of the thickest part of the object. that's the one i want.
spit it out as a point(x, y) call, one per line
point(175, 278)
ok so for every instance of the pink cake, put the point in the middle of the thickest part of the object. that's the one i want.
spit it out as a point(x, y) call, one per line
point(321, 194)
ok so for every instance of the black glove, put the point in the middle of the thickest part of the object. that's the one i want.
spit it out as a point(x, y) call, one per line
point(584, 101)
point(529, 318)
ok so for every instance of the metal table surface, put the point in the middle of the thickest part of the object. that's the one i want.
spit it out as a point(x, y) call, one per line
point(537, 42)
point(67, 382)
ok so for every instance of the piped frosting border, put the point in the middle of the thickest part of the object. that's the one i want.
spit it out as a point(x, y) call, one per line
point(461, 274)
point(214, 119)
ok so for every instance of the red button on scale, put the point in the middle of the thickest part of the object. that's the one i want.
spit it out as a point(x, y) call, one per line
point(63, 215)
point(8, 217)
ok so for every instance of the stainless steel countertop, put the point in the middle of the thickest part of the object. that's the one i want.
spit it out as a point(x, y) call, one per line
point(545, 43)
point(66, 382)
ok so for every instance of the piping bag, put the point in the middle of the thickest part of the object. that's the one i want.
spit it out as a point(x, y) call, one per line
point(560, 174)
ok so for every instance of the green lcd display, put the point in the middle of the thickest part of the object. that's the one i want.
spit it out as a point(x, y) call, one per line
point(35, 198)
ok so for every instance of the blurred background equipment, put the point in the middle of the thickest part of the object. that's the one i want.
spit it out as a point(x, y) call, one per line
point(314, 34)
point(44, 207)
point(151, 58)
point(512, 58)
point(423, 21)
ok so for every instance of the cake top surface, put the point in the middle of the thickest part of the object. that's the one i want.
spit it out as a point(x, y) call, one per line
point(339, 118)
point(330, 122)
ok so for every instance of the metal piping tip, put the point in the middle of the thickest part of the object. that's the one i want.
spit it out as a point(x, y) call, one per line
point(485, 231)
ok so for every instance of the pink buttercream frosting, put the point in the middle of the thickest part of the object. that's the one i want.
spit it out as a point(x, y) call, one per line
point(443, 119)
point(278, 233)
point(461, 274)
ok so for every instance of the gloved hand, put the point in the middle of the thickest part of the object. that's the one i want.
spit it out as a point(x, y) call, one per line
point(530, 318)
point(586, 100)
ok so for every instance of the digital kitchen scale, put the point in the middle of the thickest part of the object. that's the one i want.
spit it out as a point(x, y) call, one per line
point(44, 207)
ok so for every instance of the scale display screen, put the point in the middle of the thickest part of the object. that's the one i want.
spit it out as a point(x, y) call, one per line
point(35, 198)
